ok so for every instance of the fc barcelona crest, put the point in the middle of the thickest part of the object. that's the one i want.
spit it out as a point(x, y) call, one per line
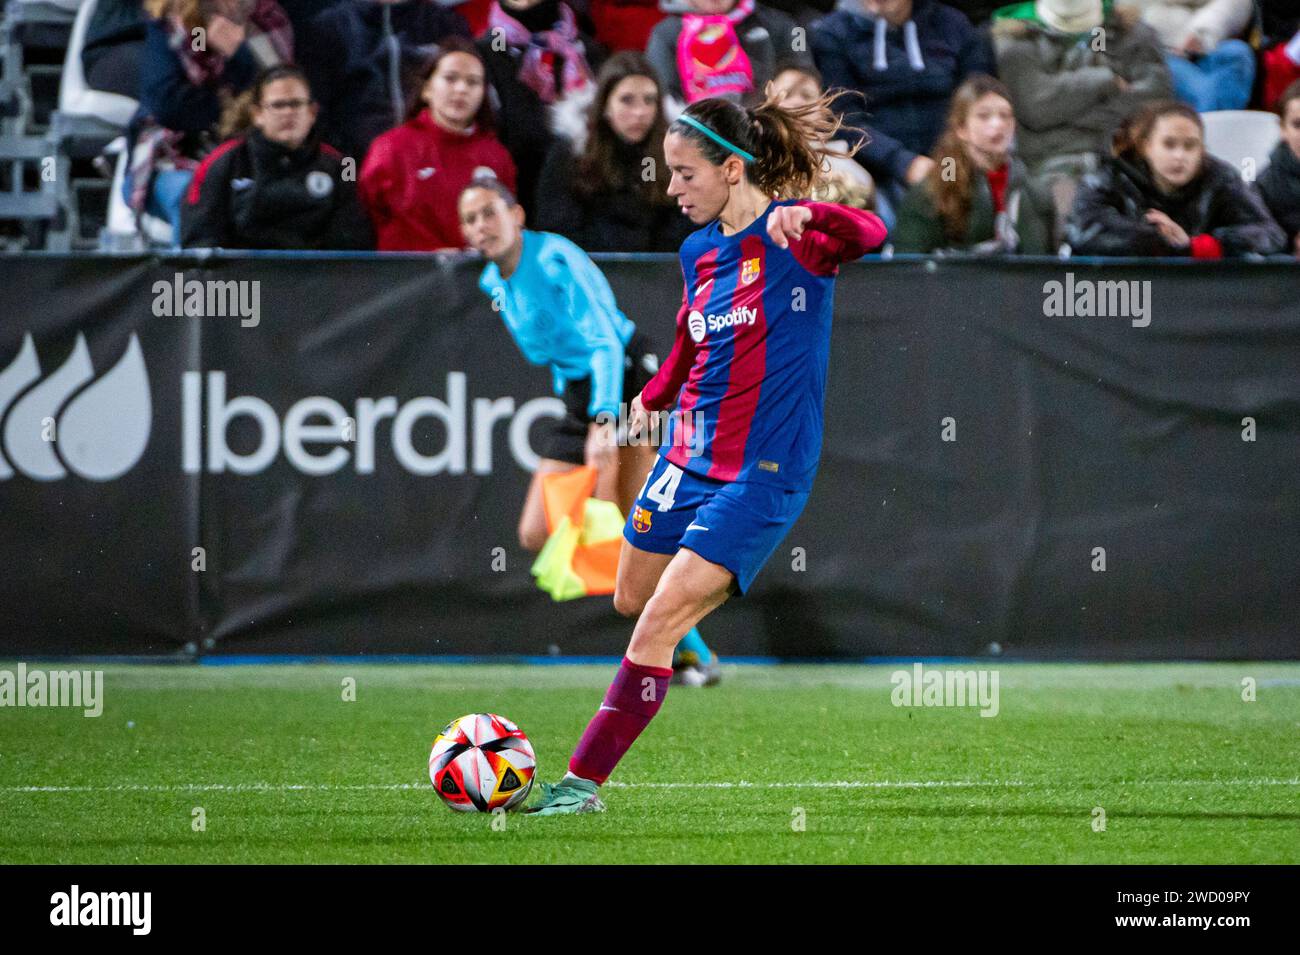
point(749, 271)
point(640, 519)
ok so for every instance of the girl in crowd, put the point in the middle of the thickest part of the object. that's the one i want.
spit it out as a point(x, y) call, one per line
point(977, 197)
point(413, 174)
point(601, 184)
point(1161, 194)
point(276, 185)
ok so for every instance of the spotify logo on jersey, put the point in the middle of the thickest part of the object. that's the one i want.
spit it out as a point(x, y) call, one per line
point(699, 325)
point(695, 323)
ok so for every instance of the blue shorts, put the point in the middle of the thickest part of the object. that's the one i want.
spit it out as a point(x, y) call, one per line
point(737, 524)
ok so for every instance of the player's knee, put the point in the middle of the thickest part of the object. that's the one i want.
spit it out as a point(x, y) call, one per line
point(628, 604)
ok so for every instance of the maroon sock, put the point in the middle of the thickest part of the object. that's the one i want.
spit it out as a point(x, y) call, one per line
point(630, 704)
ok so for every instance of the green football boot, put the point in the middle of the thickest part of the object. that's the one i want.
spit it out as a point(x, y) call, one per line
point(569, 795)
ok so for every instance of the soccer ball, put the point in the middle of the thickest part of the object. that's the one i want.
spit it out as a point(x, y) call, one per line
point(482, 762)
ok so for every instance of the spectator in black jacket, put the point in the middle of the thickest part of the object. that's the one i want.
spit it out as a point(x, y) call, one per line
point(1280, 182)
point(601, 185)
point(360, 55)
point(536, 54)
point(1160, 194)
point(277, 186)
point(906, 57)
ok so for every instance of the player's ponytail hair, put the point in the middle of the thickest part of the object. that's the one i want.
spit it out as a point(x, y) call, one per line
point(788, 143)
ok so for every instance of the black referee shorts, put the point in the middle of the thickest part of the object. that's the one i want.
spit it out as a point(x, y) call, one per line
point(567, 440)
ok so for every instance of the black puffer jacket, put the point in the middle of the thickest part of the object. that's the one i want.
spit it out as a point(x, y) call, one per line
point(613, 219)
point(251, 193)
point(1109, 214)
point(1280, 186)
point(520, 113)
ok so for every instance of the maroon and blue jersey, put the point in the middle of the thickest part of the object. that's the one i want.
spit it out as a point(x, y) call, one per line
point(747, 371)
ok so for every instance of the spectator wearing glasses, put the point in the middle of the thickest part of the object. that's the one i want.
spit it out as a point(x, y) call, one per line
point(276, 186)
point(414, 174)
point(198, 54)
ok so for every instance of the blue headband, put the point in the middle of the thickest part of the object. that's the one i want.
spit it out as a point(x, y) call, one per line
point(691, 121)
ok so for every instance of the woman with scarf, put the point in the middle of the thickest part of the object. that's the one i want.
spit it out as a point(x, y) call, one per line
point(414, 174)
point(198, 53)
point(594, 189)
point(536, 55)
point(977, 197)
point(727, 48)
point(905, 58)
point(1280, 182)
point(1160, 194)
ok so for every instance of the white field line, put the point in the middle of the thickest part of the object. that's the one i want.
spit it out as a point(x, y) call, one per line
point(740, 784)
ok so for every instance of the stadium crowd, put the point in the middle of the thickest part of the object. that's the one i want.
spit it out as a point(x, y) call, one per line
point(355, 124)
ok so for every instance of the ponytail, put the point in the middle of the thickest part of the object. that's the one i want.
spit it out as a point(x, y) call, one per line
point(789, 145)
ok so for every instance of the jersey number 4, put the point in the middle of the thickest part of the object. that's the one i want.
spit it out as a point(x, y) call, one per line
point(664, 490)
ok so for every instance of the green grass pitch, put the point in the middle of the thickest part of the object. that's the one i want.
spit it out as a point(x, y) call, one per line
point(779, 764)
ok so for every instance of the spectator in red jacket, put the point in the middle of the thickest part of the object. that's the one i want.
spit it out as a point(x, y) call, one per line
point(413, 174)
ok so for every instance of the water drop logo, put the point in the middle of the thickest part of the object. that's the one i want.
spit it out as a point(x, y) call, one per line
point(71, 421)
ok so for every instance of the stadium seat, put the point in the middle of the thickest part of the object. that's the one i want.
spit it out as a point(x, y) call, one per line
point(79, 105)
point(1238, 135)
point(86, 121)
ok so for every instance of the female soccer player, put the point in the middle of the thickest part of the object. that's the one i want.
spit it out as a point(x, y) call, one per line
point(753, 340)
point(562, 313)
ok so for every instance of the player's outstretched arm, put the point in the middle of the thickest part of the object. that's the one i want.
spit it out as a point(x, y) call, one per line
point(823, 235)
